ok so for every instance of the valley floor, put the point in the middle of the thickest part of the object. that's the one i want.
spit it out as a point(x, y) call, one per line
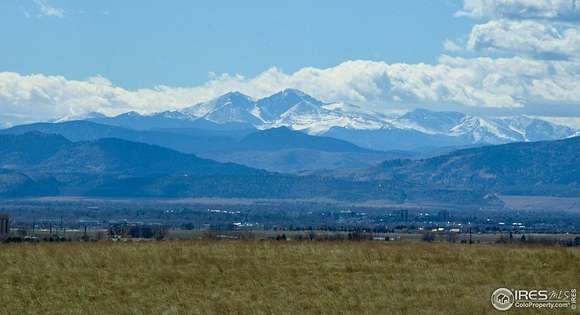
point(263, 277)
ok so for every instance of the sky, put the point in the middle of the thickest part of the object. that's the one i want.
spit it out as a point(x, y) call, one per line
point(492, 57)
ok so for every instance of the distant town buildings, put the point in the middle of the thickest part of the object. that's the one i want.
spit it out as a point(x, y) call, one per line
point(404, 215)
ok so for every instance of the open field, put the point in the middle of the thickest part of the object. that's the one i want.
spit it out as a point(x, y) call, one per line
point(260, 277)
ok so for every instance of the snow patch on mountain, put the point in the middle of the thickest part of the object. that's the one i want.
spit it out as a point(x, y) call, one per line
point(289, 108)
point(480, 130)
point(72, 117)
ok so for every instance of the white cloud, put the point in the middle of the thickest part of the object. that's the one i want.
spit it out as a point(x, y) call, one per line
point(540, 29)
point(48, 10)
point(542, 35)
point(568, 10)
point(476, 82)
point(449, 45)
point(535, 38)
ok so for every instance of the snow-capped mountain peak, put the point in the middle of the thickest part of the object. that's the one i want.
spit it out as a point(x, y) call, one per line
point(429, 122)
point(86, 116)
point(534, 129)
point(234, 98)
point(272, 107)
point(230, 107)
point(480, 130)
point(299, 111)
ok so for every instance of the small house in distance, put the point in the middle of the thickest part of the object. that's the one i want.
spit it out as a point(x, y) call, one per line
point(4, 226)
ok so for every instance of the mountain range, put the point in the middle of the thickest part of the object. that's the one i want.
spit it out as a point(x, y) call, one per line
point(277, 149)
point(535, 168)
point(37, 164)
point(235, 146)
point(418, 130)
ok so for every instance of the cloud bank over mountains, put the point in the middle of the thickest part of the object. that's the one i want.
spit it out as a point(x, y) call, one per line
point(528, 55)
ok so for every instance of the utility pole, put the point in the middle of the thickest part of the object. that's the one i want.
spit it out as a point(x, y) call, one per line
point(470, 238)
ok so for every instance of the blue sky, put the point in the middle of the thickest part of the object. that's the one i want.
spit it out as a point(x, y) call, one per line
point(492, 57)
point(138, 44)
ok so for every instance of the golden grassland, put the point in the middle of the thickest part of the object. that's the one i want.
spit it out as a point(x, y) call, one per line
point(261, 277)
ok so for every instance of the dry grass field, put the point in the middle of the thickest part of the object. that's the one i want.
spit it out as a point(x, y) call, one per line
point(243, 277)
